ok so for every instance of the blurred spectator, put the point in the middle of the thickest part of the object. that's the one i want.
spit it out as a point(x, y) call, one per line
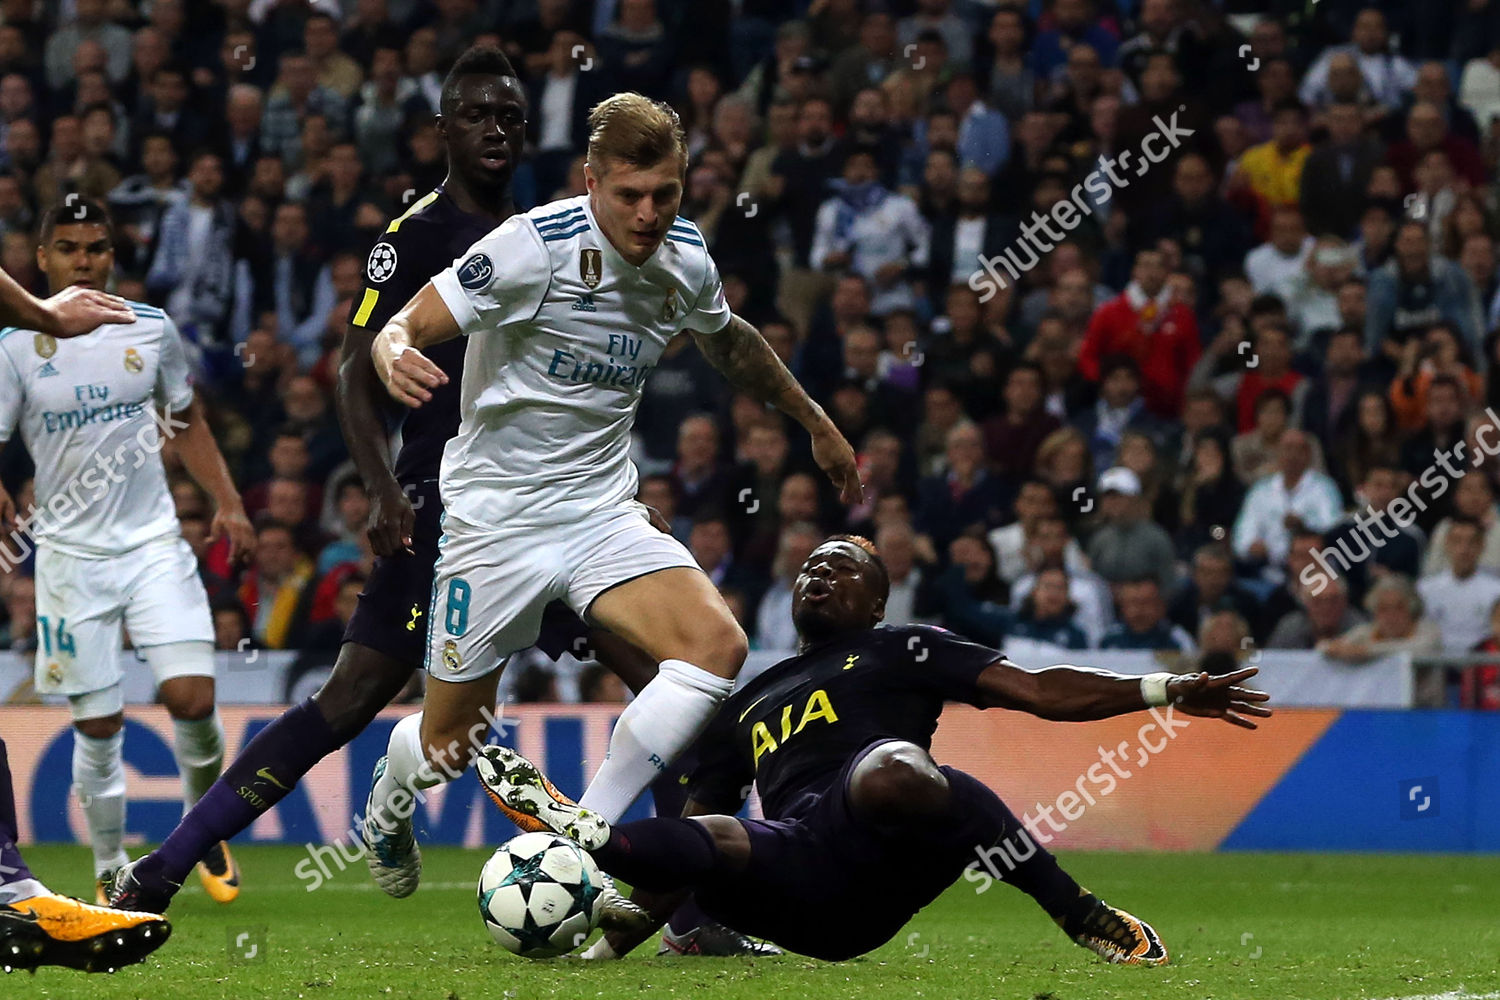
point(868, 62)
point(1143, 621)
point(636, 49)
point(1013, 437)
point(1052, 547)
point(898, 546)
point(1396, 625)
point(1399, 547)
point(1372, 439)
point(1075, 23)
point(1388, 75)
point(774, 630)
point(231, 627)
point(194, 270)
point(699, 480)
point(1474, 500)
point(1273, 169)
point(1254, 451)
point(1210, 494)
point(964, 494)
point(1011, 544)
point(70, 167)
point(276, 591)
point(1427, 132)
point(876, 233)
point(1459, 598)
point(1161, 335)
point(1223, 638)
point(1323, 616)
point(1214, 237)
point(1414, 290)
point(1337, 172)
point(1210, 588)
point(91, 22)
point(1294, 496)
point(297, 95)
point(1276, 265)
point(1047, 614)
point(1012, 81)
point(1127, 545)
point(969, 594)
point(1120, 409)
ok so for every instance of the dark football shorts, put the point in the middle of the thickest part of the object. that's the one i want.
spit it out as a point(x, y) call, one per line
point(822, 883)
point(391, 617)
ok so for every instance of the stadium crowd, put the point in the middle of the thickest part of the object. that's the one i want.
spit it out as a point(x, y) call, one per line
point(1138, 312)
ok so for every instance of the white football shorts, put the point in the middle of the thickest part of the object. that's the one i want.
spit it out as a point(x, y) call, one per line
point(492, 584)
point(81, 603)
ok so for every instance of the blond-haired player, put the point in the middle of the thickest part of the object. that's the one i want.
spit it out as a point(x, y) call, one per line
point(568, 308)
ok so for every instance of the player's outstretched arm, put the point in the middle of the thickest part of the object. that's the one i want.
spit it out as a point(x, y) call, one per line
point(200, 455)
point(743, 357)
point(360, 398)
point(70, 313)
point(1083, 694)
point(408, 374)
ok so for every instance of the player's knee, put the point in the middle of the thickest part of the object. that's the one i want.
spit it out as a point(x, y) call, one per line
point(189, 702)
point(102, 728)
point(897, 782)
point(721, 646)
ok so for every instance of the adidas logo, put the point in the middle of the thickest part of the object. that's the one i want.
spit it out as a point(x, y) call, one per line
point(47, 370)
point(585, 303)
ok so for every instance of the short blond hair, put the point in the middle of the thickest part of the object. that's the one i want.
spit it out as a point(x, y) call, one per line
point(635, 129)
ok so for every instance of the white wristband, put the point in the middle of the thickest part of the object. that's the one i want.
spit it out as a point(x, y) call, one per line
point(1154, 688)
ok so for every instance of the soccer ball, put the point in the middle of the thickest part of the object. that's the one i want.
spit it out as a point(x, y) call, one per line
point(539, 895)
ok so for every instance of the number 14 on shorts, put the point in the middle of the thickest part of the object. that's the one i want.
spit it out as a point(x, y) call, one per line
point(63, 638)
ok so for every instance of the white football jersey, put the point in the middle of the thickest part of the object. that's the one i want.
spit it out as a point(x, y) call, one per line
point(563, 332)
point(86, 408)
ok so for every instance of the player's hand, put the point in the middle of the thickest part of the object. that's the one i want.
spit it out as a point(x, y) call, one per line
point(836, 458)
point(391, 519)
point(408, 374)
point(75, 311)
point(233, 522)
point(1210, 697)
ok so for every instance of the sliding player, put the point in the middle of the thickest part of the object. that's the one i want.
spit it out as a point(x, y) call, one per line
point(109, 550)
point(863, 828)
point(567, 310)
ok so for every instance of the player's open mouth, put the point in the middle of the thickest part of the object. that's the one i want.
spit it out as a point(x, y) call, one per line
point(817, 590)
point(494, 160)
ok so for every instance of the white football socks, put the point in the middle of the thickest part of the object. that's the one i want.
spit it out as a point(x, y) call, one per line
point(99, 781)
point(652, 731)
point(198, 745)
point(406, 772)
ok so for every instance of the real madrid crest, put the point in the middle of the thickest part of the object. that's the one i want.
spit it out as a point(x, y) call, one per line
point(591, 266)
point(669, 308)
point(133, 362)
point(451, 658)
point(45, 344)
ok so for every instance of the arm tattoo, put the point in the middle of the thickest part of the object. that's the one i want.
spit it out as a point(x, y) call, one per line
point(743, 357)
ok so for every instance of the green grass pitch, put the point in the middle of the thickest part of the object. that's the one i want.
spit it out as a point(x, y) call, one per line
point(1239, 926)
